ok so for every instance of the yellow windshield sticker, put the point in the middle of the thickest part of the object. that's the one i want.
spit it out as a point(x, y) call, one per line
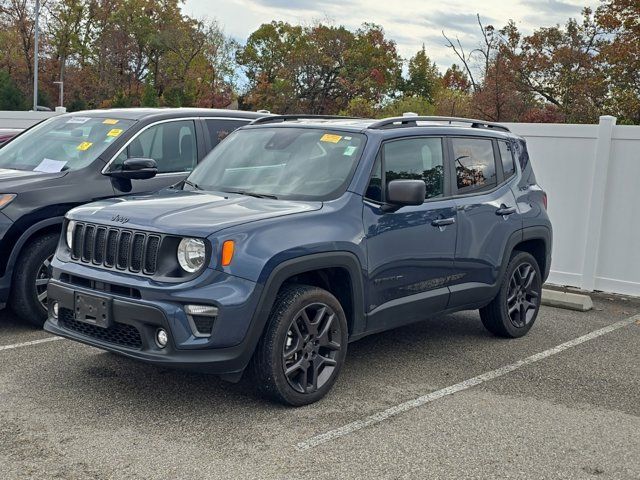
point(328, 137)
point(84, 146)
point(110, 121)
point(114, 132)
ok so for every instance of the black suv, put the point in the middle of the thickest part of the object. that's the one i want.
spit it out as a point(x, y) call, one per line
point(296, 236)
point(82, 157)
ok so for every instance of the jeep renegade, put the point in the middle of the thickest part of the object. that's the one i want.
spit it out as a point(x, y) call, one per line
point(298, 235)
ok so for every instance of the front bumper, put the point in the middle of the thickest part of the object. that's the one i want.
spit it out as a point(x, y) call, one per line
point(136, 321)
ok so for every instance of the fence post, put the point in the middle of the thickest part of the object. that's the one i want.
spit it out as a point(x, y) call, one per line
point(599, 173)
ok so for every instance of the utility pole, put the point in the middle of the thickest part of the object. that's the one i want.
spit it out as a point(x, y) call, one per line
point(35, 59)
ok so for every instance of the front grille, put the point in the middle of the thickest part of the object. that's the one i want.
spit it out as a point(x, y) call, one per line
point(119, 334)
point(116, 248)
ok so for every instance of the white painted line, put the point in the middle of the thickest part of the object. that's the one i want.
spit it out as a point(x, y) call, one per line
point(458, 387)
point(27, 344)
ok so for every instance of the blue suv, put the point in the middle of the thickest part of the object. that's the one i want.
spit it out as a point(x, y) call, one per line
point(298, 235)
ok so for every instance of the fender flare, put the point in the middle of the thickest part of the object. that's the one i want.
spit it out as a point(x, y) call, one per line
point(295, 266)
point(25, 237)
point(539, 232)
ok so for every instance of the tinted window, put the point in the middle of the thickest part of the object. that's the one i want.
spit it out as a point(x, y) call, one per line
point(219, 129)
point(474, 162)
point(416, 159)
point(171, 144)
point(508, 166)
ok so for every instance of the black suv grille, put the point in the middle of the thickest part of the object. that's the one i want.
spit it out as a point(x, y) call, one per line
point(118, 334)
point(116, 248)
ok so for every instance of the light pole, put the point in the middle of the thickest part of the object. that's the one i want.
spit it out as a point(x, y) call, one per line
point(35, 59)
point(61, 100)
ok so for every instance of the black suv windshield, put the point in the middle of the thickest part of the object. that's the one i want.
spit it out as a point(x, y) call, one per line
point(62, 143)
point(290, 162)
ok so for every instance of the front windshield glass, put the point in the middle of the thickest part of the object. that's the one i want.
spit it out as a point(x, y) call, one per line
point(294, 163)
point(62, 143)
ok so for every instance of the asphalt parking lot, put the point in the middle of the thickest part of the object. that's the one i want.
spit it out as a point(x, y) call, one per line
point(439, 399)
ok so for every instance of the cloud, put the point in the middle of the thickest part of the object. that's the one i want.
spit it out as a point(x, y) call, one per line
point(304, 5)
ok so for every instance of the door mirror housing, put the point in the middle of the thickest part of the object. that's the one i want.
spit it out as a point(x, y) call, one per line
point(136, 169)
point(402, 193)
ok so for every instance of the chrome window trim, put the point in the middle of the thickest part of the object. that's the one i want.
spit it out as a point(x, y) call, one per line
point(105, 169)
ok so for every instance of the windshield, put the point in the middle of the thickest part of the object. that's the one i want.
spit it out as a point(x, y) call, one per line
point(62, 143)
point(294, 163)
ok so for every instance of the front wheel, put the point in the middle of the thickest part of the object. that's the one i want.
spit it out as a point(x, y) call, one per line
point(32, 274)
point(513, 311)
point(303, 348)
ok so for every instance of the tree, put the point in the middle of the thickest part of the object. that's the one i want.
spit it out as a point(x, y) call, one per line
point(455, 79)
point(11, 97)
point(424, 78)
point(560, 66)
point(620, 19)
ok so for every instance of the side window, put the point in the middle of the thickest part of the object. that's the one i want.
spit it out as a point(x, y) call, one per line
point(171, 144)
point(416, 159)
point(374, 190)
point(219, 129)
point(475, 164)
point(508, 165)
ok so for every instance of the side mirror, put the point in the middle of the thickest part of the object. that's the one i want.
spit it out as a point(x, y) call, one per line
point(136, 169)
point(401, 193)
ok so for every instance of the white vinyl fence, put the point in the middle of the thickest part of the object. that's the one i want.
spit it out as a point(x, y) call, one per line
point(592, 176)
point(23, 119)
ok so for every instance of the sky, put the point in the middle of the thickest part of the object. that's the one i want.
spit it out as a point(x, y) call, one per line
point(409, 22)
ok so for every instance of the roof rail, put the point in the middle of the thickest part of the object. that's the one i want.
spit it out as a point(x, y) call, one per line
point(285, 118)
point(395, 122)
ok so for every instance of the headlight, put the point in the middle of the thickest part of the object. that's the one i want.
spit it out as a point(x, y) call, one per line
point(69, 233)
point(5, 199)
point(191, 254)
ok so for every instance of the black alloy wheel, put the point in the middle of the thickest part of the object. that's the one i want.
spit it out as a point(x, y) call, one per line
point(311, 348)
point(523, 297)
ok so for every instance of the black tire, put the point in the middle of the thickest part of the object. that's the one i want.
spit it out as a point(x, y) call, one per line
point(513, 311)
point(33, 259)
point(288, 342)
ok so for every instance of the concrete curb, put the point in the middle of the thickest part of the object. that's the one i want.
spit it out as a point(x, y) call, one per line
point(570, 301)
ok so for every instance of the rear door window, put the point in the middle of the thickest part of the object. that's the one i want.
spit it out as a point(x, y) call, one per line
point(475, 164)
point(506, 156)
point(219, 129)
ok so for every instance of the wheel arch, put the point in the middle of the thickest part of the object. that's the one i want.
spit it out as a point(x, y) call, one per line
point(50, 225)
point(534, 240)
point(321, 270)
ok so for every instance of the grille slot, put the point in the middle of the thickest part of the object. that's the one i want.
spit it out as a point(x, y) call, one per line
point(118, 334)
point(116, 248)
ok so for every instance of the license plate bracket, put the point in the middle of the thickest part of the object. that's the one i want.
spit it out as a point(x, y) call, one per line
point(92, 309)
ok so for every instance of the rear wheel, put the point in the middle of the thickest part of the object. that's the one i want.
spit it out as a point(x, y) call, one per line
point(513, 311)
point(303, 348)
point(32, 274)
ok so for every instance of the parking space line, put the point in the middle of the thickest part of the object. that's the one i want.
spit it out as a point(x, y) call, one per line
point(27, 344)
point(458, 387)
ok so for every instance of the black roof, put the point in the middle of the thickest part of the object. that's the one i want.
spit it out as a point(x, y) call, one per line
point(160, 113)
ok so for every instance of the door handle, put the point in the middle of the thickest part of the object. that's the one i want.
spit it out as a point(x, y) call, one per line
point(443, 222)
point(504, 211)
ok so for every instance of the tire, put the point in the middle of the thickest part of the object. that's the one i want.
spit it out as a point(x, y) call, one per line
point(514, 310)
point(307, 347)
point(33, 265)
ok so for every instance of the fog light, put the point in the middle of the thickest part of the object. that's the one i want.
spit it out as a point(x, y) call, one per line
point(162, 337)
point(54, 309)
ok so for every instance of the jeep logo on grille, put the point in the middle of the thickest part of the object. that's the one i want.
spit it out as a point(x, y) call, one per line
point(119, 219)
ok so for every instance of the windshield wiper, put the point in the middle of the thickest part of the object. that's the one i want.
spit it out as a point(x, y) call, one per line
point(252, 194)
point(195, 186)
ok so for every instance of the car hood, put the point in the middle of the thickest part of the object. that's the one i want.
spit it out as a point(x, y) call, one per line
point(11, 181)
point(186, 213)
